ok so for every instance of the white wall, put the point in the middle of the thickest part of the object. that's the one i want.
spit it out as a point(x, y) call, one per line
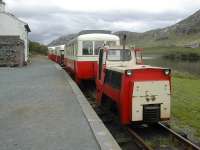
point(12, 27)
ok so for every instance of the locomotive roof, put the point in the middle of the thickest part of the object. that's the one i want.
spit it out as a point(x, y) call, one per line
point(134, 67)
point(60, 46)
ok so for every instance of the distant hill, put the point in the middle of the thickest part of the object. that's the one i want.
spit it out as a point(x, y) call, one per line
point(183, 33)
point(62, 40)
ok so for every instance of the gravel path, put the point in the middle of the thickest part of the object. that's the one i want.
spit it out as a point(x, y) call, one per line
point(39, 111)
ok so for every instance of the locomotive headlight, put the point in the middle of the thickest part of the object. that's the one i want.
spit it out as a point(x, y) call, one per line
point(129, 72)
point(167, 72)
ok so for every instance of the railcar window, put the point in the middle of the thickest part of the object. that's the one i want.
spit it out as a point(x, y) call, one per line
point(97, 45)
point(76, 49)
point(87, 48)
point(73, 49)
point(62, 52)
point(119, 55)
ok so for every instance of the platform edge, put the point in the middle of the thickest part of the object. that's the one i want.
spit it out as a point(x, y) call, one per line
point(103, 137)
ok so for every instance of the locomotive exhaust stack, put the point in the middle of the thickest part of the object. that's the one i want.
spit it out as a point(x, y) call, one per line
point(124, 41)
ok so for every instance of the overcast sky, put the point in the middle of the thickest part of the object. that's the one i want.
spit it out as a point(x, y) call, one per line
point(49, 19)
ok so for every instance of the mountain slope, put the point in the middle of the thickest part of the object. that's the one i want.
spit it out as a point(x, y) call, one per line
point(184, 32)
point(62, 40)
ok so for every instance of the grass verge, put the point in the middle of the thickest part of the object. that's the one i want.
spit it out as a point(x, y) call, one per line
point(186, 101)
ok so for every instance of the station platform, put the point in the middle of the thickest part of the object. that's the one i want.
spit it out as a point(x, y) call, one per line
point(41, 108)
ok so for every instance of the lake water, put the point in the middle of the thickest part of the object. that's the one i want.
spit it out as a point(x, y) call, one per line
point(183, 66)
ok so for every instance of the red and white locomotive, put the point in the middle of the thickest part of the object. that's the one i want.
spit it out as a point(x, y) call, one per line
point(141, 92)
point(81, 53)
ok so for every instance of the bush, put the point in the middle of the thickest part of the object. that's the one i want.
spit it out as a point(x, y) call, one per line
point(37, 48)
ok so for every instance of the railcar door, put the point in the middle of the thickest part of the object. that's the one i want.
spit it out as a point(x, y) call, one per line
point(62, 57)
point(100, 63)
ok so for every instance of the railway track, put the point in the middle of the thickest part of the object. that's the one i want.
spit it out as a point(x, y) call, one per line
point(156, 137)
point(186, 143)
point(176, 140)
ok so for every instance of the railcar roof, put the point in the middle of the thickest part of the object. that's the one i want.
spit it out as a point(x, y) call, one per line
point(51, 48)
point(98, 36)
point(60, 46)
point(57, 47)
point(94, 31)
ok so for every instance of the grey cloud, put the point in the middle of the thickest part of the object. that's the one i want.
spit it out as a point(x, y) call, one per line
point(51, 22)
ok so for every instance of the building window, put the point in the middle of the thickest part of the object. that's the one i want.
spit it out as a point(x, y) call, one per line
point(87, 48)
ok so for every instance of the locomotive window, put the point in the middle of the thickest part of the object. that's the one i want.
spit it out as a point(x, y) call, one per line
point(114, 55)
point(116, 80)
point(119, 55)
point(113, 79)
point(87, 48)
point(108, 76)
point(97, 45)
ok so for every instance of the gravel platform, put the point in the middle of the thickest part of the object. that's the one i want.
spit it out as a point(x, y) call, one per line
point(39, 110)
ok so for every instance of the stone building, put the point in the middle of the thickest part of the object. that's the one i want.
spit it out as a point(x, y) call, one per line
point(14, 43)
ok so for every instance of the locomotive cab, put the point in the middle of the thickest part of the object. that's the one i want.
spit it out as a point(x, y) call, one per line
point(141, 92)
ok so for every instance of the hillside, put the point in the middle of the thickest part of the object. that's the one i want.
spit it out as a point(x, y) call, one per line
point(62, 40)
point(183, 33)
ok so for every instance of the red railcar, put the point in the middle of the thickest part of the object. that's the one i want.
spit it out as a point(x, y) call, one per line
point(59, 54)
point(141, 92)
point(56, 54)
point(81, 53)
point(51, 53)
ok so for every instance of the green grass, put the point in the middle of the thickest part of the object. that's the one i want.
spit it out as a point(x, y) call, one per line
point(186, 101)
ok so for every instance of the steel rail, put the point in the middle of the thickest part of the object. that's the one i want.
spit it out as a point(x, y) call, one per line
point(190, 145)
point(139, 139)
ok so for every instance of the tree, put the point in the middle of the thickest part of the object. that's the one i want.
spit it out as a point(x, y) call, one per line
point(37, 48)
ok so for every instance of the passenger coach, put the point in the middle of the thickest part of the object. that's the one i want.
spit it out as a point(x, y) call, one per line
point(51, 51)
point(81, 53)
point(59, 52)
point(56, 54)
